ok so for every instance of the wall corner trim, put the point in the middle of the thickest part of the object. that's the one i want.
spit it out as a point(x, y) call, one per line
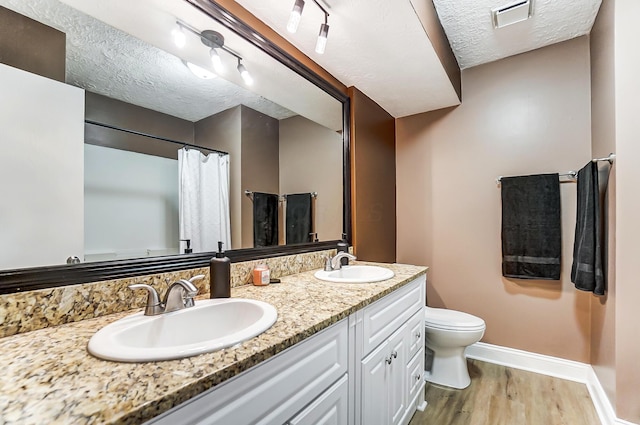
point(550, 366)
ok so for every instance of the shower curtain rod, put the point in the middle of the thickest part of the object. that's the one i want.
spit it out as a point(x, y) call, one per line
point(574, 174)
point(151, 136)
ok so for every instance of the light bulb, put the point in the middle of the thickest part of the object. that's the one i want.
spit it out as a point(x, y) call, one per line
point(245, 74)
point(321, 44)
point(179, 37)
point(294, 18)
point(216, 61)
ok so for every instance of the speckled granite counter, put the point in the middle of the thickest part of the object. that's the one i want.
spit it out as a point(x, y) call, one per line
point(49, 377)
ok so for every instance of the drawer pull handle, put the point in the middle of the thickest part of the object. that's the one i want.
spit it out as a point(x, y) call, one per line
point(388, 360)
point(418, 335)
point(394, 354)
point(418, 376)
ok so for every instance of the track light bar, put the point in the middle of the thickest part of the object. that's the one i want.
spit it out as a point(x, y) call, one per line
point(294, 21)
point(215, 41)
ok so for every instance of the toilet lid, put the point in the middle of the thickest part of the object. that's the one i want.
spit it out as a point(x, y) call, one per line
point(442, 318)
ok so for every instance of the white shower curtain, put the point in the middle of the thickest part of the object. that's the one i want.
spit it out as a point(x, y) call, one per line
point(204, 200)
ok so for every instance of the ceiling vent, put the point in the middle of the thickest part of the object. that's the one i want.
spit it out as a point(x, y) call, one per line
point(512, 13)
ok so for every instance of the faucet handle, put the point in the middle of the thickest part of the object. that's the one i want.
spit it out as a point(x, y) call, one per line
point(327, 264)
point(196, 278)
point(153, 301)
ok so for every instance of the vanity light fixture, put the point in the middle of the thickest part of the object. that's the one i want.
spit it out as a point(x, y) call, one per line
point(294, 21)
point(215, 42)
point(321, 44)
point(294, 18)
point(215, 60)
point(248, 80)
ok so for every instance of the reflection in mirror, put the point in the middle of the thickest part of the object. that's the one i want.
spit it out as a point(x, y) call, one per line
point(101, 158)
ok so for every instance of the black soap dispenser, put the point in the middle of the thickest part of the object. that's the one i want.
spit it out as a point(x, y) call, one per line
point(220, 275)
point(343, 246)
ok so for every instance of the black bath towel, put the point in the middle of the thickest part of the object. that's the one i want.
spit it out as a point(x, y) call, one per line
point(587, 271)
point(531, 231)
point(299, 218)
point(265, 219)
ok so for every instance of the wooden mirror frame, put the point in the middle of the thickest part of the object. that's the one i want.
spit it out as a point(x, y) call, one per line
point(27, 279)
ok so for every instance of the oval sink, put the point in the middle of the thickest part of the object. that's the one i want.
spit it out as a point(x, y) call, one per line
point(208, 326)
point(356, 274)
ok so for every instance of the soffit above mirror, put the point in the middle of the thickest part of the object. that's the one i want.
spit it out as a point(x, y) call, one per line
point(379, 46)
point(146, 49)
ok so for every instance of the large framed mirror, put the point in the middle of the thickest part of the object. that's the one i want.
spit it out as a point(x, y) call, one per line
point(110, 189)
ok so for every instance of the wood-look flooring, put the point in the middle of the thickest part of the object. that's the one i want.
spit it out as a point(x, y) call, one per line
point(500, 395)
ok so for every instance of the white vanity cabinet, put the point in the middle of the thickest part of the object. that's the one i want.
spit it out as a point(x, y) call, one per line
point(363, 370)
point(278, 390)
point(392, 357)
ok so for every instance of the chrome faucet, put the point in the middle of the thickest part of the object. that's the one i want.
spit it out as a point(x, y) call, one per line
point(333, 263)
point(179, 295)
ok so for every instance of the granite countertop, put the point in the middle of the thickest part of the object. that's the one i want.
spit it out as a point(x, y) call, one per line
point(49, 377)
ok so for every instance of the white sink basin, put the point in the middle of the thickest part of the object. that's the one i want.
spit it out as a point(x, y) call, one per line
point(356, 274)
point(208, 326)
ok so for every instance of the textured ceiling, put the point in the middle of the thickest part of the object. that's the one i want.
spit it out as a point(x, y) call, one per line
point(379, 46)
point(108, 61)
point(469, 27)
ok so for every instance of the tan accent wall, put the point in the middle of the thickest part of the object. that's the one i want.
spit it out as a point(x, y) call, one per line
point(373, 179)
point(603, 134)
point(222, 131)
point(627, 298)
point(311, 161)
point(31, 46)
point(521, 115)
point(260, 158)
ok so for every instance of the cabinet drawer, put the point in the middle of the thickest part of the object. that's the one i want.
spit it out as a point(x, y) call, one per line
point(273, 391)
point(328, 409)
point(415, 374)
point(386, 315)
point(416, 333)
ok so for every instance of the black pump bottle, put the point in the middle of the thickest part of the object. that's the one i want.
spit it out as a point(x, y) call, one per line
point(220, 275)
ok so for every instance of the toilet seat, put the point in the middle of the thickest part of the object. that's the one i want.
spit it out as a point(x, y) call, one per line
point(441, 318)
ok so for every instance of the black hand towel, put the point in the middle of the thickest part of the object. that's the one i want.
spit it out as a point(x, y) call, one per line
point(587, 271)
point(531, 235)
point(265, 219)
point(298, 218)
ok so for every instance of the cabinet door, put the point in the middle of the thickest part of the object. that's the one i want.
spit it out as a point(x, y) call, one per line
point(397, 383)
point(374, 386)
point(328, 409)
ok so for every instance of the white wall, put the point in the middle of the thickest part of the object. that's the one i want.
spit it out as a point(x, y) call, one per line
point(131, 204)
point(41, 170)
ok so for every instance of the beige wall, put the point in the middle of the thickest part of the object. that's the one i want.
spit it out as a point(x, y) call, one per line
point(311, 161)
point(627, 93)
point(259, 163)
point(222, 131)
point(521, 115)
point(603, 142)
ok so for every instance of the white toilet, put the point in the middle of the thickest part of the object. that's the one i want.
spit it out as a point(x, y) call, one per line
point(447, 334)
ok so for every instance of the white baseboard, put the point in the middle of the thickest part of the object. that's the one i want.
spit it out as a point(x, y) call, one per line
point(550, 366)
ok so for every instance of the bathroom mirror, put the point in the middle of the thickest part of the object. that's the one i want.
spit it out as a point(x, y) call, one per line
point(285, 94)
